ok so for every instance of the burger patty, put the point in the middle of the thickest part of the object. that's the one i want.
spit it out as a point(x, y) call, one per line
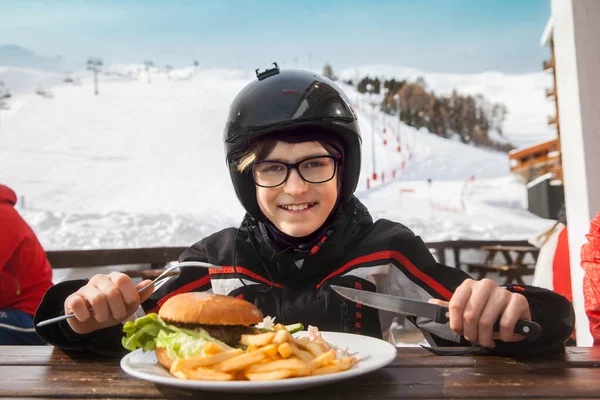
point(229, 334)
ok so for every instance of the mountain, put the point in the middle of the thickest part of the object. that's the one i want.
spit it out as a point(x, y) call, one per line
point(12, 55)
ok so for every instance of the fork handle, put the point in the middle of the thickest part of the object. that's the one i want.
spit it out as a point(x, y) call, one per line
point(56, 319)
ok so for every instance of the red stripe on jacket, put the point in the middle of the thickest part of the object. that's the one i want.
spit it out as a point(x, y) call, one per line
point(243, 271)
point(395, 255)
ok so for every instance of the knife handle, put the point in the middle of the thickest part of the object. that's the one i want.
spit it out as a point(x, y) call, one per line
point(442, 315)
point(531, 330)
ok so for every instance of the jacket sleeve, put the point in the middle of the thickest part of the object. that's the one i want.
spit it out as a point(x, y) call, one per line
point(426, 278)
point(11, 233)
point(105, 341)
point(590, 262)
point(108, 341)
point(555, 315)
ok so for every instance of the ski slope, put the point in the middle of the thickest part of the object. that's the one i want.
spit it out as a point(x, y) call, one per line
point(142, 164)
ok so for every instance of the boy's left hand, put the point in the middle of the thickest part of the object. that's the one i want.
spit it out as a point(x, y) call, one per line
point(475, 307)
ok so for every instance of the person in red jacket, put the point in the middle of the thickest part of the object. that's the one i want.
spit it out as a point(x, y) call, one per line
point(590, 262)
point(25, 274)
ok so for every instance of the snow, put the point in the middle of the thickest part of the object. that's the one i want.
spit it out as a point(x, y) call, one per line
point(142, 164)
point(539, 180)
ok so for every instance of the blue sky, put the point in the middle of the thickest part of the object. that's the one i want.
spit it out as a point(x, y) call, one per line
point(434, 35)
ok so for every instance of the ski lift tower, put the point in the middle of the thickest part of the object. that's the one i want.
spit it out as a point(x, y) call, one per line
point(95, 64)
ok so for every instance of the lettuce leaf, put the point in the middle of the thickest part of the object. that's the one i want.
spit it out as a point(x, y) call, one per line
point(142, 332)
point(180, 344)
point(150, 331)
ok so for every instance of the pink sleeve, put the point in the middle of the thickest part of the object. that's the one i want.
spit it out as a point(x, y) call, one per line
point(590, 262)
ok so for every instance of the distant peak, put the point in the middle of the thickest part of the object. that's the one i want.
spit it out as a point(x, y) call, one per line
point(10, 47)
point(13, 55)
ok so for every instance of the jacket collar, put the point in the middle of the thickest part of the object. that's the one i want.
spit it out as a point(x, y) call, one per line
point(349, 221)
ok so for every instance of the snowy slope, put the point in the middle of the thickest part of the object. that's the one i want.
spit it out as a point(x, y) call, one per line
point(20, 80)
point(142, 164)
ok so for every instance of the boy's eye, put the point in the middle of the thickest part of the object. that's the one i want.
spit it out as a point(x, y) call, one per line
point(312, 164)
point(272, 168)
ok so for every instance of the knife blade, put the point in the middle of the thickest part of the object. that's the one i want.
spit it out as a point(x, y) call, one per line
point(435, 312)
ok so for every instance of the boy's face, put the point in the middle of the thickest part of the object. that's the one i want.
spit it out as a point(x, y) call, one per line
point(276, 203)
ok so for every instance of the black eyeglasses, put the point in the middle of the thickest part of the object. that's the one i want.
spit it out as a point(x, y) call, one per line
point(317, 169)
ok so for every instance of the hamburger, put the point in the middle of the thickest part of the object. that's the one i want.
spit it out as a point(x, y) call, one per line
point(186, 322)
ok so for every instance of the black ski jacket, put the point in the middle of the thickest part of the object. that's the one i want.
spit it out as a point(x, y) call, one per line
point(381, 256)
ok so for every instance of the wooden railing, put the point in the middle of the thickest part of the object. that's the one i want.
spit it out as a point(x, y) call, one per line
point(456, 246)
point(157, 258)
point(153, 257)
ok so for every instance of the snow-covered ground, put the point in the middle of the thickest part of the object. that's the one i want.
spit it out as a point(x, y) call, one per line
point(142, 164)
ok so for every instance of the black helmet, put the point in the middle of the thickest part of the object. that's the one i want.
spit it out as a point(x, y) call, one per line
point(283, 101)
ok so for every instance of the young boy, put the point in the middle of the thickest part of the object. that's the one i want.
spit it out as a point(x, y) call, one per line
point(293, 148)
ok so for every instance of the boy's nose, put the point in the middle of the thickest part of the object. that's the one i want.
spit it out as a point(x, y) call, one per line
point(295, 185)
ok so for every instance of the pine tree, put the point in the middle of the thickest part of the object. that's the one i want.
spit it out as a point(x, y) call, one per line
point(471, 117)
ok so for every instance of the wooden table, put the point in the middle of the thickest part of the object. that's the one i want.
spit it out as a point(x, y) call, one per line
point(514, 266)
point(44, 371)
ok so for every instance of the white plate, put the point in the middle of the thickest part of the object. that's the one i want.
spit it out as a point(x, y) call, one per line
point(374, 352)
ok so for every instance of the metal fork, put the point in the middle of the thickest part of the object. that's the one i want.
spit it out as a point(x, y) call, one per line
point(159, 281)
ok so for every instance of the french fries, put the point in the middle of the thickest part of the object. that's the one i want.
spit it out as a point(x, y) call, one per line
point(321, 360)
point(268, 356)
point(206, 361)
point(242, 361)
point(282, 336)
point(284, 350)
point(212, 348)
point(261, 339)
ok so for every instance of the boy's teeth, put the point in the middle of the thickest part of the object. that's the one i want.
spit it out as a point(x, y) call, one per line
point(300, 207)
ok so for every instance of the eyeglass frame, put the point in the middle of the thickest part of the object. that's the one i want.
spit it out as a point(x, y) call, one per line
point(290, 166)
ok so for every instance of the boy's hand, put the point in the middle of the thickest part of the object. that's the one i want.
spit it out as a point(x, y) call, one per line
point(475, 307)
point(113, 298)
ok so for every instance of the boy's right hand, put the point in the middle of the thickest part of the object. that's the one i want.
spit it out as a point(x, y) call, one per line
point(113, 298)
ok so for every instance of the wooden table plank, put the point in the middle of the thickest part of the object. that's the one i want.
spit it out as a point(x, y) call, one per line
point(49, 355)
point(415, 357)
point(388, 383)
point(44, 371)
